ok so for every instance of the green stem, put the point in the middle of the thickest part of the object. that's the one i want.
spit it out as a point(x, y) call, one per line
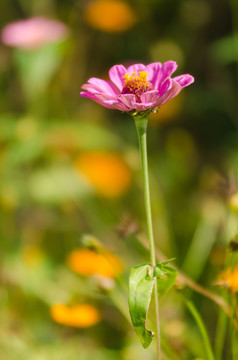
point(220, 334)
point(234, 338)
point(202, 329)
point(141, 125)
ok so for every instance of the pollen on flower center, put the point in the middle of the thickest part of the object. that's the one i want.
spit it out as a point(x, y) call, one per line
point(136, 84)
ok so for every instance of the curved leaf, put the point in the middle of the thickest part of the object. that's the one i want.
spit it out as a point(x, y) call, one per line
point(141, 284)
point(166, 276)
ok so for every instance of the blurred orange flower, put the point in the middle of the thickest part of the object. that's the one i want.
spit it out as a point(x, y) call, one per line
point(88, 262)
point(110, 15)
point(107, 172)
point(83, 315)
point(229, 279)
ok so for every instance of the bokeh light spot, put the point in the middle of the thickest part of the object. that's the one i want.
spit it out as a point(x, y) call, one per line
point(110, 15)
point(107, 172)
point(83, 315)
point(87, 263)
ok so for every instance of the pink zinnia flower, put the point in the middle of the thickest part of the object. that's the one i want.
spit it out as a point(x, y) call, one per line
point(138, 88)
point(34, 32)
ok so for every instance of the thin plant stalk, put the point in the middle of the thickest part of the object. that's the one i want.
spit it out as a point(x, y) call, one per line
point(141, 125)
point(234, 346)
point(220, 334)
point(202, 329)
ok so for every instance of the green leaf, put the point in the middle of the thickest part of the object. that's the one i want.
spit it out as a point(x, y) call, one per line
point(166, 276)
point(38, 67)
point(141, 284)
point(159, 272)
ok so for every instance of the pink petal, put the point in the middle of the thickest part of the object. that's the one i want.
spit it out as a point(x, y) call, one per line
point(135, 68)
point(167, 69)
point(128, 100)
point(149, 96)
point(112, 100)
point(120, 106)
point(94, 98)
point(103, 86)
point(116, 74)
point(107, 101)
point(165, 86)
point(106, 97)
point(184, 80)
point(171, 93)
point(142, 106)
point(153, 71)
point(90, 88)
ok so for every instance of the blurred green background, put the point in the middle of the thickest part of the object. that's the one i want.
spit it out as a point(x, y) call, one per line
point(70, 167)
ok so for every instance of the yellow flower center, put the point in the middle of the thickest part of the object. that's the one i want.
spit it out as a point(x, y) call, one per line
point(136, 84)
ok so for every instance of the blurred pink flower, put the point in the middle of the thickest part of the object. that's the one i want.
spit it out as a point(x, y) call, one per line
point(34, 32)
point(138, 88)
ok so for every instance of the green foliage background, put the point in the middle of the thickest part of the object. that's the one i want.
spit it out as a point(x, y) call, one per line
point(45, 207)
